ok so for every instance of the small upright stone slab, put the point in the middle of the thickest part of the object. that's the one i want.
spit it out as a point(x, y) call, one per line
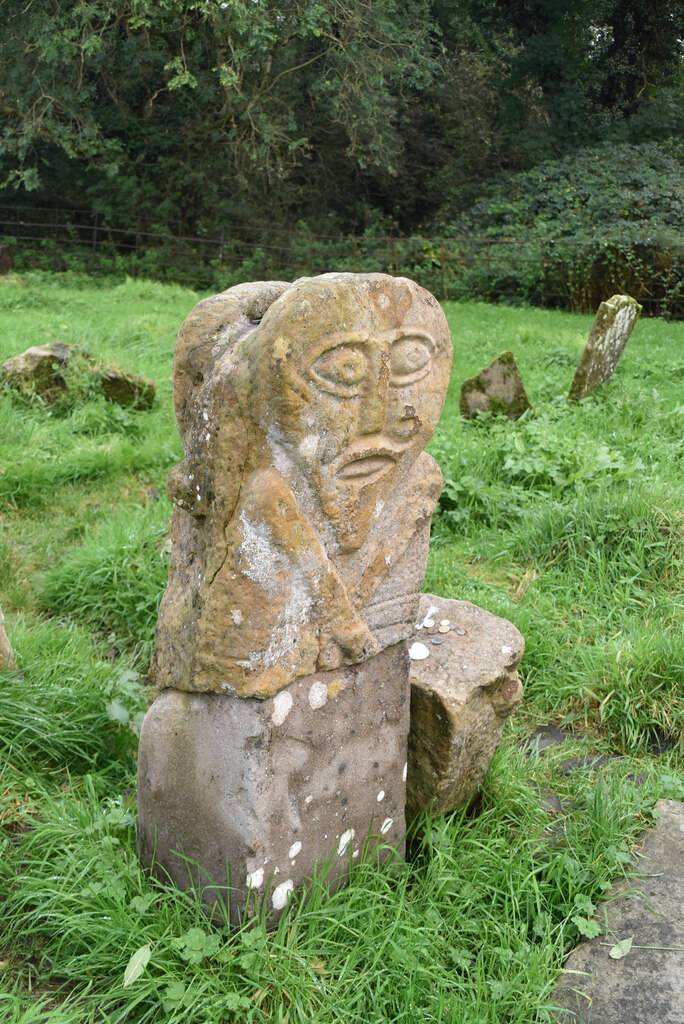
point(646, 983)
point(609, 334)
point(299, 541)
point(464, 684)
point(497, 389)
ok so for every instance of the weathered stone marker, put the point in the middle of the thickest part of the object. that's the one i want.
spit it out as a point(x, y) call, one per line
point(462, 691)
point(497, 389)
point(299, 541)
point(609, 334)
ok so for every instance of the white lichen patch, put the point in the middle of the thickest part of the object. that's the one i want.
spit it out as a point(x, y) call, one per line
point(386, 825)
point(236, 616)
point(281, 894)
point(318, 695)
point(380, 796)
point(282, 705)
point(255, 879)
point(294, 850)
point(308, 447)
point(345, 840)
point(418, 651)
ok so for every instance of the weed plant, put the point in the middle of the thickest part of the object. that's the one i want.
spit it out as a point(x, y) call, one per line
point(569, 523)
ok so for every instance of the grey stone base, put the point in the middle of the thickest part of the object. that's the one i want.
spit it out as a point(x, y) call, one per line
point(245, 798)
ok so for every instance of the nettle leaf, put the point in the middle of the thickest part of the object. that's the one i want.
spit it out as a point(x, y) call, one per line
point(136, 965)
point(621, 948)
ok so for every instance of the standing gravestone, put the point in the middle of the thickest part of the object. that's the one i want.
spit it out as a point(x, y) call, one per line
point(299, 541)
point(497, 389)
point(609, 334)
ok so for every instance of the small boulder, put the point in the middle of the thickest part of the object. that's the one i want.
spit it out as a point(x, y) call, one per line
point(462, 691)
point(43, 370)
point(497, 389)
point(127, 389)
point(39, 370)
point(615, 320)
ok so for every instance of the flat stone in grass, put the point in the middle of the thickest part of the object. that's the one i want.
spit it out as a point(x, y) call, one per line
point(641, 983)
point(497, 389)
point(609, 334)
point(463, 687)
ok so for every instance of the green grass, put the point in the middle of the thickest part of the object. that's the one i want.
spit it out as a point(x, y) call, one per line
point(569, 523)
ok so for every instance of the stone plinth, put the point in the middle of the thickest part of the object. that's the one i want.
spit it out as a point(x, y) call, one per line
point(259, 793)
point(464, 685)
point(615, 320)
point(299, 541)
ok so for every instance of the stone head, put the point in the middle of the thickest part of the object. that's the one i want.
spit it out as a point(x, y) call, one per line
point(349, 373)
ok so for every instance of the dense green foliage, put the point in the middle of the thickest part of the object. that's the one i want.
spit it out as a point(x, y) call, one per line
point(568, 522)
point(203, 116)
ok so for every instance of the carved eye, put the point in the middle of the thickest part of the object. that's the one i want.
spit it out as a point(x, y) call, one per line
point(340, 370)
point(409, 360)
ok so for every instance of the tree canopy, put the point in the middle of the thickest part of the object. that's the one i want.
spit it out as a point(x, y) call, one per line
point(188, 115)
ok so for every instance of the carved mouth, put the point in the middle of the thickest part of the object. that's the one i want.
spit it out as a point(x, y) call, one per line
point(366, 468)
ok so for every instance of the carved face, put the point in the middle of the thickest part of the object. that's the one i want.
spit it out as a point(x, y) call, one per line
point(358, 373)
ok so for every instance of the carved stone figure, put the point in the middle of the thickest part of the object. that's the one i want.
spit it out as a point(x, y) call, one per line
point(299, 540)
point(305, 489)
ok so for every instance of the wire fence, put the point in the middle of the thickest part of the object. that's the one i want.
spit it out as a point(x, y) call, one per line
point(558, 273)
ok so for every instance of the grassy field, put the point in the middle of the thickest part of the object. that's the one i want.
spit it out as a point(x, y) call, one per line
point(569, 523)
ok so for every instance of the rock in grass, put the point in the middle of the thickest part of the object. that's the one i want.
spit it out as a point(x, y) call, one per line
point(460, 697)
point(497, 389)
point(52, 370)
point(609, 334)
point(633, 973)
point(6, 653)
point(39, 370)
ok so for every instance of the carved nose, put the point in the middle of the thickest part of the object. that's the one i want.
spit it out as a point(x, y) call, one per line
point(373, 407)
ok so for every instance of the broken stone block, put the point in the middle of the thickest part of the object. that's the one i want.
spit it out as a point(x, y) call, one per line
point(299, 542)
point(6, 653)
point(632, 973)
point(464, 685)
point(609, 334)
point(44, 370)
point(497, 389)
